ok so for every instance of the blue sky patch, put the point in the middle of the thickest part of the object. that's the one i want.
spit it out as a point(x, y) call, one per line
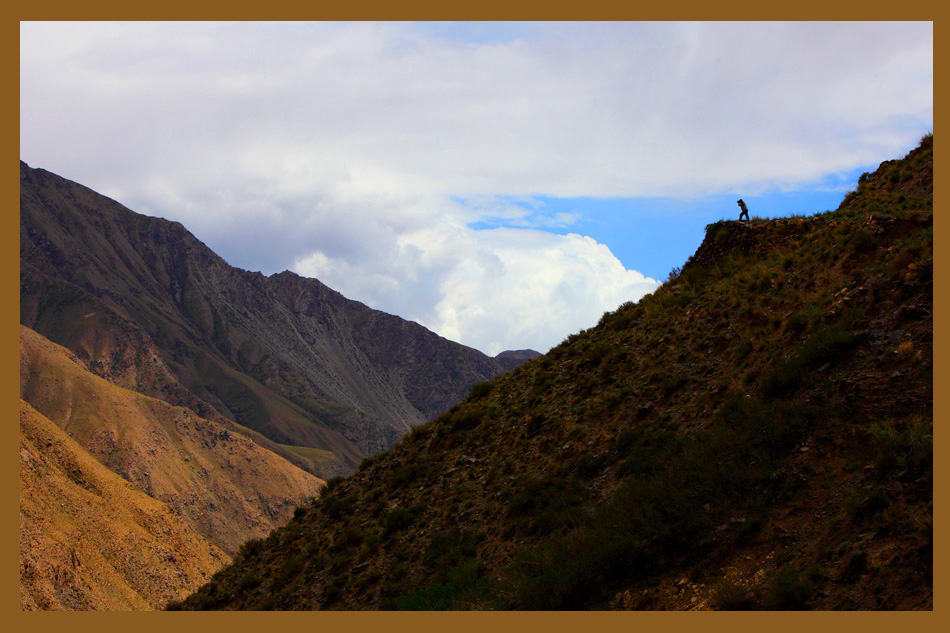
point(654, 235)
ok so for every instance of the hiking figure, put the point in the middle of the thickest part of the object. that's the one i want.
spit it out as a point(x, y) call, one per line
point(745, 210)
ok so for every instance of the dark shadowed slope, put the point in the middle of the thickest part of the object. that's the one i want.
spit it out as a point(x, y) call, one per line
point(757, 434)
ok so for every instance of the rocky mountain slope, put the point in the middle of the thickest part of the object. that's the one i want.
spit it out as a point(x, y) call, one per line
point(89, 540)
point(757, 434)
point(327, 380)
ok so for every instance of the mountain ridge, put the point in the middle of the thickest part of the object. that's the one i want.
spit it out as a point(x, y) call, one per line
point(282, 355)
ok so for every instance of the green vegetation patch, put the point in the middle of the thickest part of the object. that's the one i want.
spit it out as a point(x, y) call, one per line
point(661, 514)
point(315, 456)
point(825, 346)
point(903, 446)
point(463, 587)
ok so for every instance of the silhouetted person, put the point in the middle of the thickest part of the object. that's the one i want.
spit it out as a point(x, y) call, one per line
point(745, 210)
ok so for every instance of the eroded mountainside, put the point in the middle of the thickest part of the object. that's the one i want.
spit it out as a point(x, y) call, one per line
point(757, 434)
point(224, 486)
point(89, 540)
point(327, 380)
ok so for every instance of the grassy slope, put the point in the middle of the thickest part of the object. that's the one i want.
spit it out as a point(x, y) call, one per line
point(313, 455)
point(755, 434)
point(275, 416)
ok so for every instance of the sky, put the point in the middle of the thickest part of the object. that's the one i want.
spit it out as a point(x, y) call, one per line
point(503, 184)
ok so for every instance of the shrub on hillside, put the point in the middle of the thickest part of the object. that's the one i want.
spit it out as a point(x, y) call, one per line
point(826, 345)
point(481, 389)
point(251, 548)
point(903, 447)
point(462, 584)
point(728, 596)
point(791, 589)
point(399, 519)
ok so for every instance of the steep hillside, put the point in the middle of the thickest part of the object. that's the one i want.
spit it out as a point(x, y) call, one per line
point(757, 434)
point(89, 540)
point(282, 355)
point(227, 488)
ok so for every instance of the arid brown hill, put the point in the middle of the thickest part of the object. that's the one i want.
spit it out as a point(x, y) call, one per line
point(147, 305)
point(756, 434)
point(224, 486)
point(89, 540)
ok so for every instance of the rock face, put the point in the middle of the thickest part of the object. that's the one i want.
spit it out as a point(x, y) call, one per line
point(146, 304)
point(89, 540)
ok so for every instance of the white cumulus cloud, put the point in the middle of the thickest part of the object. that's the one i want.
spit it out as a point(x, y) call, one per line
point(491, 289)
point(365, 153)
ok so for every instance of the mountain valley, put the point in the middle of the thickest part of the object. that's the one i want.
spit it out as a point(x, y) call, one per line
point(174, 407)
point(756, 434)
point(147, 304)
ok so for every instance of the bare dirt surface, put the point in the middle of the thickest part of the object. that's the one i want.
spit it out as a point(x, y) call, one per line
point(224, 486)
point(89, 540)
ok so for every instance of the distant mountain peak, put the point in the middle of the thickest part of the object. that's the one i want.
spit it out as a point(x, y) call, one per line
point(511, 359)
point(283, 355)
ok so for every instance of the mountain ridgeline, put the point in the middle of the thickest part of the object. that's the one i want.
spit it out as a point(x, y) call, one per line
point(756, 434)
point(317, 378)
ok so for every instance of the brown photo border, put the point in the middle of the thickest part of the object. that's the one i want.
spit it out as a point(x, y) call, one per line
point(390, 622)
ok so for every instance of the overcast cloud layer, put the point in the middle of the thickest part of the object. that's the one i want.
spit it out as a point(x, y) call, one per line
point(362, 153)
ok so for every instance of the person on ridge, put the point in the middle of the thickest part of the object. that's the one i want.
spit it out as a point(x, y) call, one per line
point(745, 210)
